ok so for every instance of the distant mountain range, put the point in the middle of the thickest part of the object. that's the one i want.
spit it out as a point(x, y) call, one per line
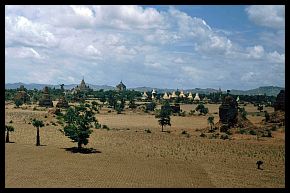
point(268, 90)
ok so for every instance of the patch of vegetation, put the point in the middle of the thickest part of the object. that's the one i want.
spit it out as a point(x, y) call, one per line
point(106, 127)
point(147, 130)
point(252, 132)
point(224, 136)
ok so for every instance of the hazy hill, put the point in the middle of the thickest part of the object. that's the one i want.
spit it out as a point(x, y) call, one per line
point(268, 90)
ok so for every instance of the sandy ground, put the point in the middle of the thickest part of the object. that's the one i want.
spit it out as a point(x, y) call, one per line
point(127, 156)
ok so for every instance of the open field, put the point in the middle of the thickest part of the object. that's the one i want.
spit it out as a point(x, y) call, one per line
point(127, 156)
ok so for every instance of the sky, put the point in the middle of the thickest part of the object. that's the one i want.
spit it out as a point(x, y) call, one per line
point(195, 46)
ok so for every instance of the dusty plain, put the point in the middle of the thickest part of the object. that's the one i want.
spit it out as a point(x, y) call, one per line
point(127, 156)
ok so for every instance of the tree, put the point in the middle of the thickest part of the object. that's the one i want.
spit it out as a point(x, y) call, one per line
point(164, 118)
point(210, 121)
point(150, 106)
point(260, 108)
point(79, 120)
point(37, 123)
point(202, 109)
point(8, 128)
point(18, 102)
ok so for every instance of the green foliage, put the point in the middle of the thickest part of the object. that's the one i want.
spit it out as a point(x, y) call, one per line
point(164, 118)
point(37, 123)
point(18, 102)
point(150, 106)
point(9, 128)
point(253, 132)
point(78, 121)
point(106, 127)
point(202, 109)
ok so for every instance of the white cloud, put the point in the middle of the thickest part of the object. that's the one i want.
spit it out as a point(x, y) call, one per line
point(272, 16)
point(133, 43)
point(276, 57)
point(250, 76)
point(256, 52)
point(23, 52)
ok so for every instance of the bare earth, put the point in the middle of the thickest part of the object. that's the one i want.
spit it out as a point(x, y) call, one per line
point(127, 156)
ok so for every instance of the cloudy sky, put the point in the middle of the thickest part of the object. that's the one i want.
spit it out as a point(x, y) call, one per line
point(232, 47)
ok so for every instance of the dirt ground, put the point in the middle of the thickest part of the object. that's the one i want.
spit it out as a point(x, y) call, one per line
point(127, 156)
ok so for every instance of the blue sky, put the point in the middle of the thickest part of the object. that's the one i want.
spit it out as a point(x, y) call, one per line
point(212, 46)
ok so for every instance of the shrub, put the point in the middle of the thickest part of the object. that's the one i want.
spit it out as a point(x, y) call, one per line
point(183, 132)
point(10, 121)
point(147, 130)
point(273, 128)
point(253, 132)
point(106, 127)
point(202, 135)
point(224, 136)
point(98, 125)
point(242, 131)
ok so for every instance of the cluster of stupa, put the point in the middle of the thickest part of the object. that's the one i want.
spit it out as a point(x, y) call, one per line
point(171, 96)
point(181, 95)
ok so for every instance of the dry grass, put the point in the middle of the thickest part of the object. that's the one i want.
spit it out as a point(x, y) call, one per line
point(127, 156)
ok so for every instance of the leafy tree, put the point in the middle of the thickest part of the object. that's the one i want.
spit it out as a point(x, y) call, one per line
point(37, 123)
point(202, 109)
point(260, 108)
point(79, 120)
point(8, 128)
point(164, 118)
point(18, 102)
point(150, 106)
point(210, 121)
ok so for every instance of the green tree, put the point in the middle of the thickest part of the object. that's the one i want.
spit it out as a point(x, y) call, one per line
point(8, 128)
point(202, 109)
point(37, 123)
point(79, 120)
point(18, 102)
point(210, 121)
point(150, 106)
point(164, 118)
point(260, 108)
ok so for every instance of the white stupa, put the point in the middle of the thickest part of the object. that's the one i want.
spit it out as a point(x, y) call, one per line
point(196, 98)
point(190, 96)
point(182, 95)
point(153, 94)
point(165, 96)
point(174, 95)
point(144, 95)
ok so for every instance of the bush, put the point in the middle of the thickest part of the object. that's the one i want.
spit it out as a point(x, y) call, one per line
point(273, 128)
point(45, 116)
point(253, 132)
point(224, 136)
point(242, 131)
point(10, 121)
point(202, 135)
point(147, 130)
point(98, 125)
point(191, 112)
point(106, 127)
point(183, 132)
